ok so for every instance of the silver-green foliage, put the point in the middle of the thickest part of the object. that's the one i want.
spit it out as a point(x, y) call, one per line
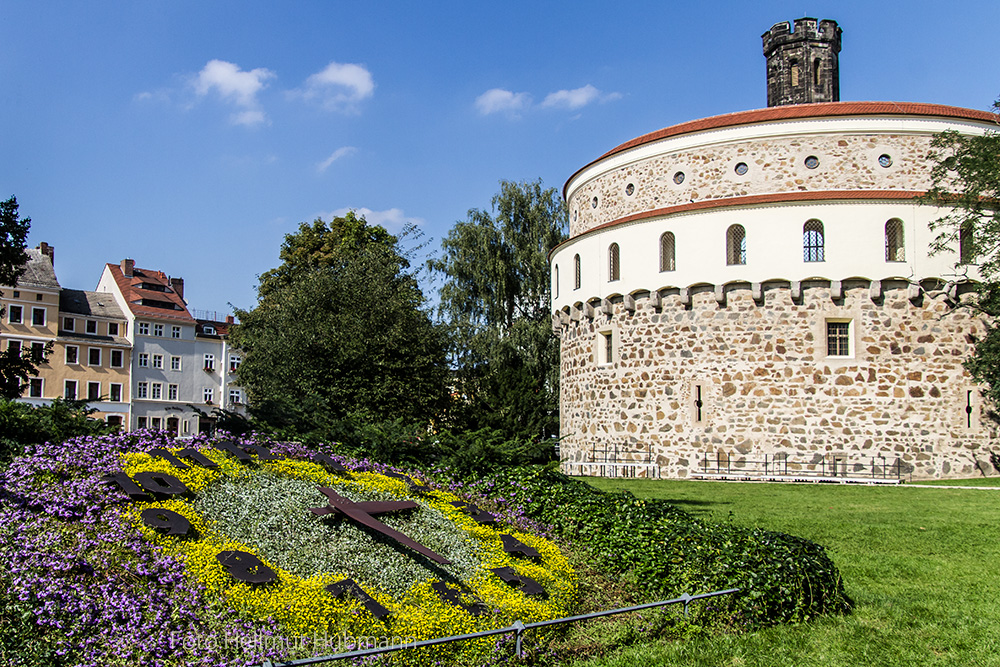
point(272, 514)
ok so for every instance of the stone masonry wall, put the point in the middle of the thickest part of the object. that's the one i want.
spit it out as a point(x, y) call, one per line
point(777, 164)
point(768, 385)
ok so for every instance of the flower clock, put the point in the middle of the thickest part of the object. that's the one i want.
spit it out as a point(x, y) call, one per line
point(295, 538)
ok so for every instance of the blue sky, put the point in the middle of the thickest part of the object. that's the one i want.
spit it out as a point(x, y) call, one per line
point(191, 136)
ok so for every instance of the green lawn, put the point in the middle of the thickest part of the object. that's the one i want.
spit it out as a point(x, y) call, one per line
point(922, 565)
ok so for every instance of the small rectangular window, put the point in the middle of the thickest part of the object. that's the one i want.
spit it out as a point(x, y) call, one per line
point(234, 362)
point(157, 361)
point(143, 329)
point(158, 330)
point(115, 392)
point(112, 328)
point(171, 392)
point(93, 356)
point(92, 326)
point(35, 387)
point(69, 390)
point(156, 391)
point(15, 347)
point(93, 391)
point(175, 332)
point(143, 360)
point(235, 396)
point(69, 324)
point(140, 422)
point(838, 339)
point(208, 395)
point(15, 314)
point(142, 390)
point(38, 352)
point(209, 362)
point(175, 363)
point(38, 317)
point(155, 423)
point(72, 354)
point(117, 359)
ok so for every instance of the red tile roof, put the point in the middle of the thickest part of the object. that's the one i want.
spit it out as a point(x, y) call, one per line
point(131, 288)
point(796, 111)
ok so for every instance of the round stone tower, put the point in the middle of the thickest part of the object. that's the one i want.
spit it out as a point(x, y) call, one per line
point(802, 65)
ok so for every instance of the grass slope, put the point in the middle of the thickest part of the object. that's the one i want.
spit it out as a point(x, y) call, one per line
point(922, 565)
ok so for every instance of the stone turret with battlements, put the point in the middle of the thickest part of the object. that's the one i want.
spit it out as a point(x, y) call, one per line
point(802, 64)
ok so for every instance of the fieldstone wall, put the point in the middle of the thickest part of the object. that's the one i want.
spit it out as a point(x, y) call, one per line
point(767, 383)
point(773, 165)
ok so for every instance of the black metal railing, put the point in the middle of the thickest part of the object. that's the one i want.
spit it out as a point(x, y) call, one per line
point(614, 460)
point(828, 467)
point(517, 629)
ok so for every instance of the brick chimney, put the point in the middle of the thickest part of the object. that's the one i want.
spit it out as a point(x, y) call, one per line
point(127, 267)
point(230, 319)
point(49, 251)
point(178, 286)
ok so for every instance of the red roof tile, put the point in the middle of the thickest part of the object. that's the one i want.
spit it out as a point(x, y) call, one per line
point(134, 294)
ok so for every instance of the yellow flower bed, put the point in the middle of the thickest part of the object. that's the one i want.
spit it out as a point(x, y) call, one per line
point(302, 605)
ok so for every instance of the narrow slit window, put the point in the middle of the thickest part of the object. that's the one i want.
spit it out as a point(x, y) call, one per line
point(966, 253)
point(813, 246)
point(895, 248)
point(576, 272)
point(614, 263)
point(736, 245)
point(667, 252)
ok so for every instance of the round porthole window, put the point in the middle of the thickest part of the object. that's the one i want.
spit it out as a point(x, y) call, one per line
point(593, 204)
point(884, 160)
point(742, 168)
point(812, 162)
point(629, 189)
point(679, 177)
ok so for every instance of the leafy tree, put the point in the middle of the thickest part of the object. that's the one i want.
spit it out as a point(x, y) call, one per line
point(496, 299)
point(16, 366)
point(966, 182)
point(338, 333)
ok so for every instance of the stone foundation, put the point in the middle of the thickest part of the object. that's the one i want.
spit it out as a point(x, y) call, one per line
point(630, 378)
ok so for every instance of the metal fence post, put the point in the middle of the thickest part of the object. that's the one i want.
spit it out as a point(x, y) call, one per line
point(518, 632)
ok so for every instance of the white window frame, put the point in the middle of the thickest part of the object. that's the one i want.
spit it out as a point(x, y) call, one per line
point(91, 324)
point(208, 394)
point(234, 362)
point(158, 330)
point(156, 391)
point(155, 423)
point(172, 392)
point(175, 363)
point(140, 422)
point(90, 385)
point(112, 328)
point(10, 314)
point(142, 390)
point(850, 337)
point(44, 313)
point(76, 355)
point(209, 362)
point(41, 387)
point(69, 324)
point(66, 385)
point(112, 388)
point(235, 396)
point(90, 352)
point(142, 328)
point(175, 331)
point(158, 361)
point(143, 360)
point(121, 358)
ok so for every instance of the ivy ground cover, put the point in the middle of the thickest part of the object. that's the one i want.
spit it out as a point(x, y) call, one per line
point(94, 575)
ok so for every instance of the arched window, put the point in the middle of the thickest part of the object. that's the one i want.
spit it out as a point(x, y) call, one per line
point(813, 242)
point(576, 272)
point(966, 251)
point(895, 249)
point(667, 256)
point(736, 245)
point(614, 263)
point(555, 281)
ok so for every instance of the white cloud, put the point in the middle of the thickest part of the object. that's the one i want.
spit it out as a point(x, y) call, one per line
point(577, 98)
point(498, 99)
point(343, 151)
point(392, 219)
point(339, 87)
point(235, 86)
point(231, 82)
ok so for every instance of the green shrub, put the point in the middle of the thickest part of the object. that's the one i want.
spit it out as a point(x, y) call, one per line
point(22, 424)
point(665, 552)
